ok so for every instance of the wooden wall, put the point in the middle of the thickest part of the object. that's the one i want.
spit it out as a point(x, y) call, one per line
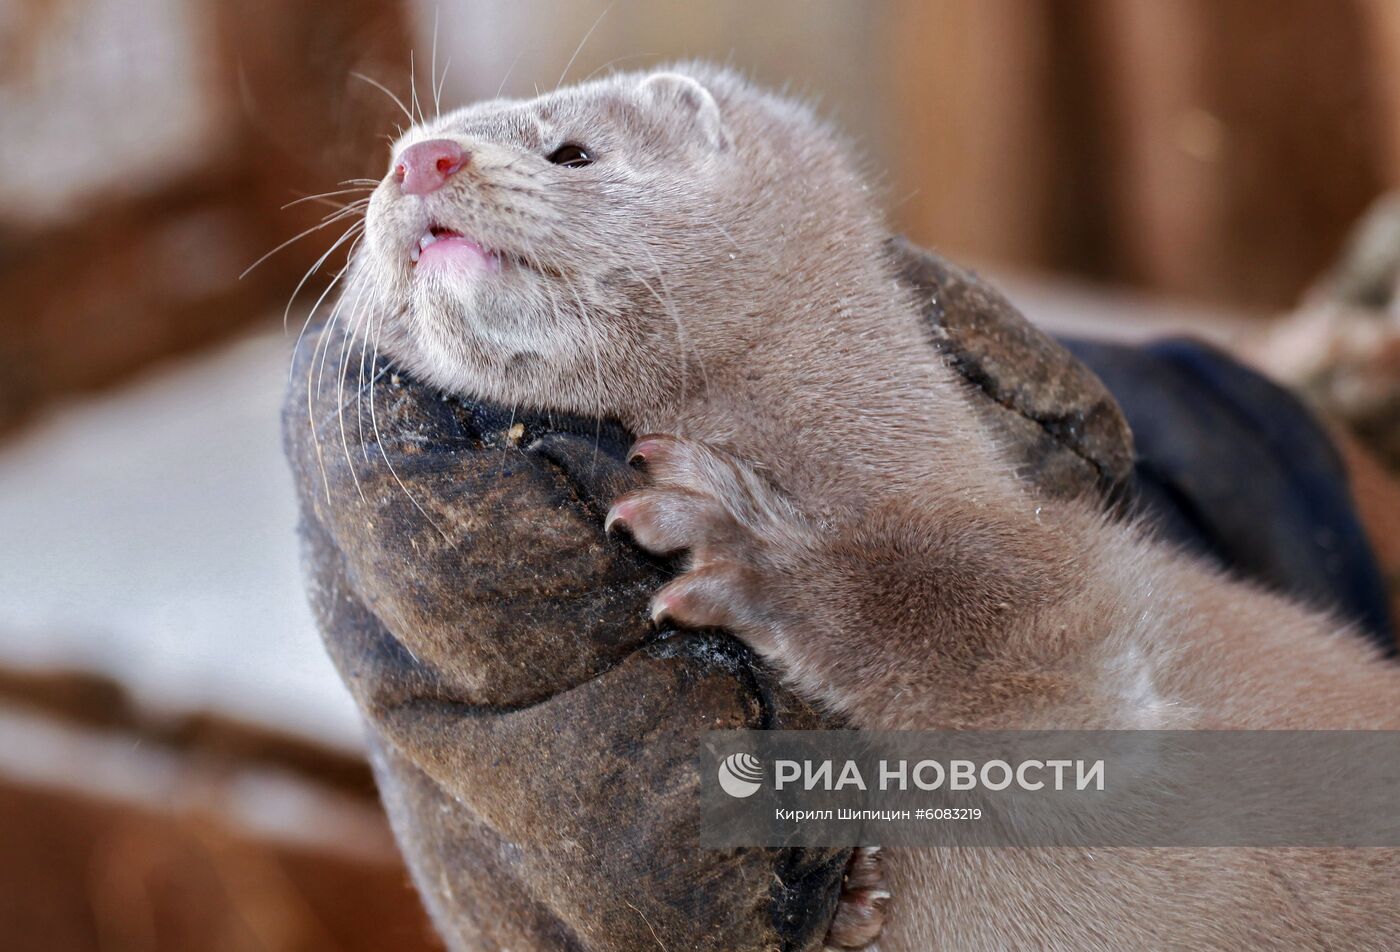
point(1202, 148)
point(146, 150)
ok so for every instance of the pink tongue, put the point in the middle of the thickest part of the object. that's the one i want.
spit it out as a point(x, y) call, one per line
point(458, 252)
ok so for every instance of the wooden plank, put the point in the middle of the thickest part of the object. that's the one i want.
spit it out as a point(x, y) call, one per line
point(126, 264)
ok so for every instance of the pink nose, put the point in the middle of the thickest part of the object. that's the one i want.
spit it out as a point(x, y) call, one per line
point(424, 166)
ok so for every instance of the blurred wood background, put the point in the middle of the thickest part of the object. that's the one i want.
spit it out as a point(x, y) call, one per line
point(128, 830)
point(1215, 150)
point(146, 150)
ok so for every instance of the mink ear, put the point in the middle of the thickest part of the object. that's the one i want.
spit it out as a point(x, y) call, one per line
point(686, 97)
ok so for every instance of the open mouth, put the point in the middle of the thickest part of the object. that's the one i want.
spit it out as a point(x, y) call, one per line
point(439, 244)
point(449, 246)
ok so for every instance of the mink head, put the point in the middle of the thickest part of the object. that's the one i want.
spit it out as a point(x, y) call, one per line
point(608, 246)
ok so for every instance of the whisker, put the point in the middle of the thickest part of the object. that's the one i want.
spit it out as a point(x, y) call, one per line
point(360, 392)
point(322, 342)
point(359, 204)
point(311, 421)
point(338, 206)
point(323, 346)
point(344, 213)
point(579, 49)
point(355, 228)
point(509, 69)
point(324, 195)
point(413, 88)
point(344, 366)
point(337, 313)
point(374, 425)
point(442, 84)
point(310, 316)
point(385, 90)
point(432, 66)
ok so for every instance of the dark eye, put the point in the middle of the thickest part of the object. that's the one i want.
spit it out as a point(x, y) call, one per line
point(571, 155)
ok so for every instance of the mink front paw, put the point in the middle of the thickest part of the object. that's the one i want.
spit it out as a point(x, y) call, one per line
point(728, 521)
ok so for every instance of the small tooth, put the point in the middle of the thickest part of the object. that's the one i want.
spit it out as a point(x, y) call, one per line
point(413, 253)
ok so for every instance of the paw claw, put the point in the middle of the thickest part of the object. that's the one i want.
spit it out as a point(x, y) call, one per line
point(699, 501)
point(715, 595)
point(619, 516)
point(642, 450)
point(660, 612)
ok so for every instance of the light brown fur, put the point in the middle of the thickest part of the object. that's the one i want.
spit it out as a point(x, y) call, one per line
point(717, 276)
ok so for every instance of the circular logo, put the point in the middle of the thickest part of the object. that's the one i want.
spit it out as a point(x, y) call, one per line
point(740, 775)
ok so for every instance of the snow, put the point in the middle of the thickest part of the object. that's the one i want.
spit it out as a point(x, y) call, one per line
point(150, 534)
